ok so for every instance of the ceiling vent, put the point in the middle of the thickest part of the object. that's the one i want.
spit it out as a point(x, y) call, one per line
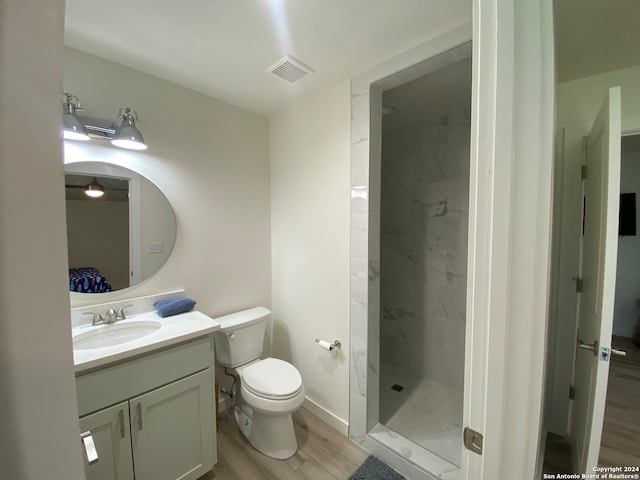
point(290, 69)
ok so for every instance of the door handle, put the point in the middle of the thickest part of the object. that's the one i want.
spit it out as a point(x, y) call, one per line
point(615, 351)
point(89, 447)
point(593, 347)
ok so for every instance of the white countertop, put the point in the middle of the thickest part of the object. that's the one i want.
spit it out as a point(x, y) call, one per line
point(174, 329)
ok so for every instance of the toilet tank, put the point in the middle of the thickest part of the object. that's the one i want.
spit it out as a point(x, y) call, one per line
point(241, 336)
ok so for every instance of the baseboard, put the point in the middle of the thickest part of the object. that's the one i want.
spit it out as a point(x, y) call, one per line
point(326, 416)
point(320, 412)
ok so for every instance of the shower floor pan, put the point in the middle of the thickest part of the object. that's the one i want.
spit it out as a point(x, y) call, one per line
point(425, 412)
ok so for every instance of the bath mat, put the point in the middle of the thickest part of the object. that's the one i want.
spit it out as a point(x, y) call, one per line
point(375, 469)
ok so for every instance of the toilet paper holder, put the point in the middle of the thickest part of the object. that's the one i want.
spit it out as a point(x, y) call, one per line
point(328, 346)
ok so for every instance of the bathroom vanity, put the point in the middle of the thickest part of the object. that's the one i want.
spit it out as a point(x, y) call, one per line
point(146, 405)
point(145, 384)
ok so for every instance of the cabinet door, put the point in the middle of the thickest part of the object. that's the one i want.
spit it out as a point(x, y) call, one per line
point(172, 430)
point(111, 435)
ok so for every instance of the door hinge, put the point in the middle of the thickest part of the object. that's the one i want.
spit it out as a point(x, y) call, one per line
point(579, 284)
point(583, 172)
point(473, 440)
point(572, 392)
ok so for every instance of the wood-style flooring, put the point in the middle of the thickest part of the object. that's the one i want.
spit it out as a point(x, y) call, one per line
point(323, 453)
point(620, 445)
point(557, 455)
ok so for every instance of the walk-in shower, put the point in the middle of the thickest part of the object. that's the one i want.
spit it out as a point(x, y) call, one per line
point(423, 258)
point(410, 199)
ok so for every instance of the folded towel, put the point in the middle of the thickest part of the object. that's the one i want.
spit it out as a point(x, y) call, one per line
point(173, 306)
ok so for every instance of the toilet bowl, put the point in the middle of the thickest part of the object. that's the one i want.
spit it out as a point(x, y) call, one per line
point(269, 390)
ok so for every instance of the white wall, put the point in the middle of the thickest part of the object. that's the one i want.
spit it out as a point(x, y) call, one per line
point(578, 102)
point(211, 160)
point(38, 414)
point(309, 146)
point(625, 315)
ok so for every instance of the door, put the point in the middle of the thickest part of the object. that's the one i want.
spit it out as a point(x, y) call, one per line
point(172, 430)
point(599, 254)
point(109, 429)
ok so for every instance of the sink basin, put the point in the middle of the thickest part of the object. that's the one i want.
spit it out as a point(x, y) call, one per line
point(115, 334)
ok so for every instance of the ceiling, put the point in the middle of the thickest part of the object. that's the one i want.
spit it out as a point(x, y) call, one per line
point(428, 97)
point(222, 48)
point(595, 36)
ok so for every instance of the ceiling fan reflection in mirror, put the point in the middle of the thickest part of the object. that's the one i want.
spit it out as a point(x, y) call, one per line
point(96, 188)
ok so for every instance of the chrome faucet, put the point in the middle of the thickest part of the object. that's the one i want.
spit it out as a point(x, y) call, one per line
point(109, 317)
point(120, 315)
point(97, 318)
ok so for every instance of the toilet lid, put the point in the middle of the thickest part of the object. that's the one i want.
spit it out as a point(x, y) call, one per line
point(272, 378)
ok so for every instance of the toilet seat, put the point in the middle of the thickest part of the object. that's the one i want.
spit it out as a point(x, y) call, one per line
point(272, 379)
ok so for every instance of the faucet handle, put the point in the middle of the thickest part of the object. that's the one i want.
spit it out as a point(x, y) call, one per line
point(100, 318)
point(120, 315)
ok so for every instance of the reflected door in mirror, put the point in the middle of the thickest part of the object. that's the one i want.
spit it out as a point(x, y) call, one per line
point(120, 238)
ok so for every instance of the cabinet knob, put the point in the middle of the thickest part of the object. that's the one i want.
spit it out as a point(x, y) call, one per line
point(89, 447)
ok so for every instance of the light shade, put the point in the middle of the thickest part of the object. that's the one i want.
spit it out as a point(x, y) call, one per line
point(127, 135)
point(73, 128)
point(94, 189)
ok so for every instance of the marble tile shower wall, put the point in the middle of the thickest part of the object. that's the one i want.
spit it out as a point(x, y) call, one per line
point(423, 247)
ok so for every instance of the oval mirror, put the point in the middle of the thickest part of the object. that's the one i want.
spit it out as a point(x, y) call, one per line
point(120, 227)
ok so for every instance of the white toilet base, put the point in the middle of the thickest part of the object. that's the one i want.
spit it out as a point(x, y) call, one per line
point(272, 435)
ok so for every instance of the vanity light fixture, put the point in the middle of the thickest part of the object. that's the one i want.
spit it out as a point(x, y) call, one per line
point(127, 135)
point(81, 127)
point(94, 189)
point(73, 128)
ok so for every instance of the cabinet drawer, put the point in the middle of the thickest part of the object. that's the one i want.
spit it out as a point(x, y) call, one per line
point(104, 387)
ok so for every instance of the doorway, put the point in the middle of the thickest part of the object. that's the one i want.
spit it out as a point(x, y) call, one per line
point(394, 419)
point(426, 129)
point(621, 417)
point(512, 111)
point(620, 444)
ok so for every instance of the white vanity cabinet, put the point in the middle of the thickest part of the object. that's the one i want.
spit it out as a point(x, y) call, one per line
point(112, 439)
point(167, 434)
point(151, 417)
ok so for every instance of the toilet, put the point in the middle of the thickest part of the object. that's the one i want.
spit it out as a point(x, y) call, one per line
point(269, 390)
